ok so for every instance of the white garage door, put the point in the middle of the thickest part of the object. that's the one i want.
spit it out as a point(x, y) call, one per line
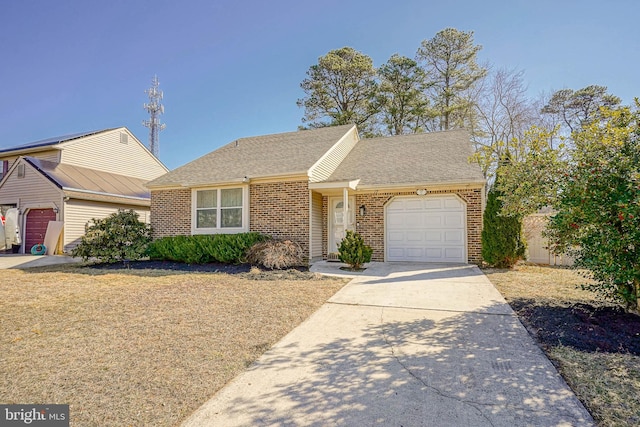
point(426, 229)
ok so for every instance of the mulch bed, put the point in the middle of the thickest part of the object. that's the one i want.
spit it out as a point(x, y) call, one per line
point(248, 271)
point(582, 326)
point(176, 266)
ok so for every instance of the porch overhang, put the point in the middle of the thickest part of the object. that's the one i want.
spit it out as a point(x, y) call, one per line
point(334, 187)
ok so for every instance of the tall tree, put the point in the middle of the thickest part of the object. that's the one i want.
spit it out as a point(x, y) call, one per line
point(401, 95)
point(503, 115)
point(450, 62)
point(576, 108)
point(340, 89)
point(531, 182)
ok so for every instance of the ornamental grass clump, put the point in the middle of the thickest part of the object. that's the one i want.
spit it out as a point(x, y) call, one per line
point(353, 251)
point(276, 254)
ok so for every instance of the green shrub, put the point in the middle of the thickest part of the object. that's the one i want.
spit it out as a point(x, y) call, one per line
point(202, 249)
point(502, 240)
point(276, 254)
point(118, 237)
point(353, 251)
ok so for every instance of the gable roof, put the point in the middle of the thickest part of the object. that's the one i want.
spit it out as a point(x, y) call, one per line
point(84, 180)
point(433, 157)
point(283, 154)
point(50, 142)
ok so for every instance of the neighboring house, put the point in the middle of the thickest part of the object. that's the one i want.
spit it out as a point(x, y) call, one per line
point(412, 198)
point(75, 178)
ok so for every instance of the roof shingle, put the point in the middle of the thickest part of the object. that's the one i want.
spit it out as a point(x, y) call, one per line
point(260, 156)
point(433, 157)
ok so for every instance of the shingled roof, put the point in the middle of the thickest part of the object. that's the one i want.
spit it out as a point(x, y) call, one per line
point(434, 157)
point(281, 154)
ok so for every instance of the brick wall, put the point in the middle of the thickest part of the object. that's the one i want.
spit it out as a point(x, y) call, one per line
point(371, 226)
point(171, 212)
point(281, 210)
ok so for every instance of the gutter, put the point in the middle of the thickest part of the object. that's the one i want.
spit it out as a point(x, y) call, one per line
point(429, 185)
point(99, 193)
point(235, 181)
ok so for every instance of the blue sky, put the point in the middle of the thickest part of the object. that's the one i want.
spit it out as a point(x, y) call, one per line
point(232, 68)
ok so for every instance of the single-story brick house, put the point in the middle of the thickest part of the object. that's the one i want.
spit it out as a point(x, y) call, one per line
point(411, 197)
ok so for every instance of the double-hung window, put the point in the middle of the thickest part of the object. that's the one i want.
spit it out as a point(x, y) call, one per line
point(220, 209)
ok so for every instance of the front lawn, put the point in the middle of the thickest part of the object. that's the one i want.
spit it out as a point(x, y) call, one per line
point(141, 347)
point(595, 345)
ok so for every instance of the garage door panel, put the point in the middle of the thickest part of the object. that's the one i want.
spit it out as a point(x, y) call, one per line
point(454, 236)
point(431, 229)
point(453, 254)
point(413, 205)
point(432, 221)
point(433, 237)
point(395, 236)
point(414, 237)
point(396, 254)
point(433, 204)
point(452, 204)
point(411, 220)
point(395, 220)
point(415, 253)
point(453, 219)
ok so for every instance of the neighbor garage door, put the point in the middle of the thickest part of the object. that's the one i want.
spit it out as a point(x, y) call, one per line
point(425, 229)
point(36, 228)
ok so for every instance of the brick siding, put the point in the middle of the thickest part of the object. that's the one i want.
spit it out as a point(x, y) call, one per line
point(371, 226)
point(171, 212)
point(281, 210)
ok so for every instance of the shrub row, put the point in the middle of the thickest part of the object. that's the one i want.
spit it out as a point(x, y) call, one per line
point(202, 249)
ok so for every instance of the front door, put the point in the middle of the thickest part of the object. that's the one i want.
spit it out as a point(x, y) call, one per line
point(337, 223)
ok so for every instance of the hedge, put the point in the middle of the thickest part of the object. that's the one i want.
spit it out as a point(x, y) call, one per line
point(202, 249)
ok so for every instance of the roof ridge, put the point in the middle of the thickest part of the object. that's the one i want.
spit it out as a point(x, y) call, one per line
point(324, 128)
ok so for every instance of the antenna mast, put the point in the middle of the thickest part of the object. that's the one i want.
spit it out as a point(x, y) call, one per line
point(154, 108)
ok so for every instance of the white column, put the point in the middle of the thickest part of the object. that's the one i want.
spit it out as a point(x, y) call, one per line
point(346, 213)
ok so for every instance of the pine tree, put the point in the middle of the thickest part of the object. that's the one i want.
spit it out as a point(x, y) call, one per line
point(502, 240)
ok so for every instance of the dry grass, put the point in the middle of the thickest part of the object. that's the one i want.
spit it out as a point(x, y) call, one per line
point(559, 284)
point(140, 348)
point(607, 383)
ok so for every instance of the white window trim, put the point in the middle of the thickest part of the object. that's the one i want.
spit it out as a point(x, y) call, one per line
point(245, 211)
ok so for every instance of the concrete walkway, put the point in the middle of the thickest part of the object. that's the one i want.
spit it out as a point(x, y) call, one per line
point(402, 345)
point(26, 261)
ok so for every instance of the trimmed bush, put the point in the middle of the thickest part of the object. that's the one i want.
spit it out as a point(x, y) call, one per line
point(276, 254)
point(118, 237)
point(502, 240)
point(206, 248)
point(353, 251)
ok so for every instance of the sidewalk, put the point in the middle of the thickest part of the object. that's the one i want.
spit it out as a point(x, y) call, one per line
point(27, 261)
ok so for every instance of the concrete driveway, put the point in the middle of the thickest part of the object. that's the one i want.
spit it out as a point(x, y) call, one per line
point(402, 345)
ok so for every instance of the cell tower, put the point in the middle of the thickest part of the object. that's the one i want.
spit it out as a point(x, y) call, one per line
point(155, 108)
